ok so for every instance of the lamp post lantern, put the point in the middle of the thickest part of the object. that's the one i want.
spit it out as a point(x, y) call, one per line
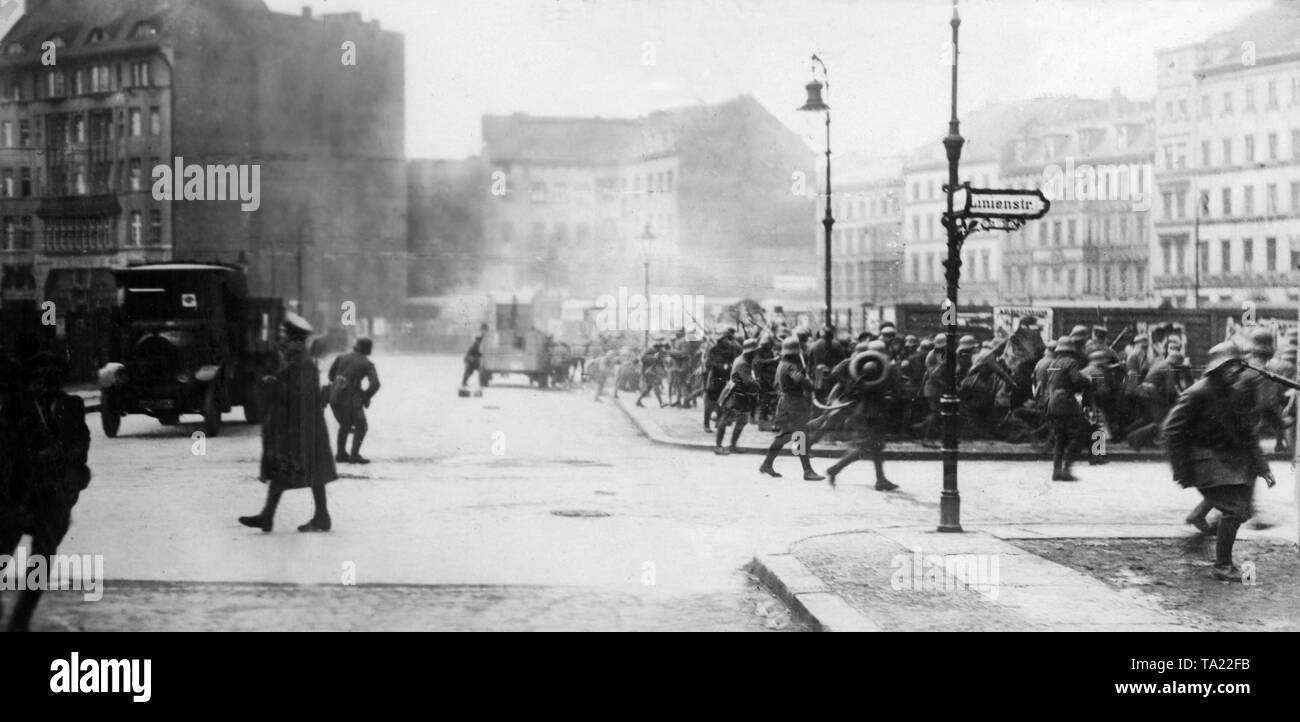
point(815, 104)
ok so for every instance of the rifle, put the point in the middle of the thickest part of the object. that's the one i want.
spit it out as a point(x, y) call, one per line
point(1275, 378)
point(1120, 337)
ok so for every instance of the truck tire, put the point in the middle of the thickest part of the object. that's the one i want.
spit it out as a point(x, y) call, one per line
point(212, 411)
point(110, 413)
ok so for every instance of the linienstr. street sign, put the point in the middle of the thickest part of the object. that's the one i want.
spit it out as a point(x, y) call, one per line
point(1007, 203)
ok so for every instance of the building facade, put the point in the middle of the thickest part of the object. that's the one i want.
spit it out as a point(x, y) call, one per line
point(97, 94)
point(866, 243)
point(1227, 217)
point(703, 193)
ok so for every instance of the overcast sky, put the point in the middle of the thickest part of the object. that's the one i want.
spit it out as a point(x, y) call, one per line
point(889, 78)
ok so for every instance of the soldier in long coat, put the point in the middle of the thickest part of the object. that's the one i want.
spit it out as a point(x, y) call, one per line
point(296, 450)
point(793, 409)
point(1214, 448)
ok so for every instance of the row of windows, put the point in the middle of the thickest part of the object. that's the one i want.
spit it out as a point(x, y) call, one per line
point(1178, 110)
point(933, 266)
point(540, 192)
point(1233, 256)
point(935, 188)
point(78, 179)
point(92, 79)
point(1174, 203)
point(66, 129)
point(80, 234)
point(1122, 279)
point(1252, 151)
point(868, 207)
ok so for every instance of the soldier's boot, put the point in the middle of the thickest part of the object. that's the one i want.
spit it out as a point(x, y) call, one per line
point(717, 443)
point(358, 436)
point(1224, 570)
point(342, 455)
point(1066, 462)
point(708, 415)
point(735, 437)
point(320, 518)
point(1198, 518)
point(1056, 465)
point(808, 473)
point(882, 484)
point(265, 520)
point(772, 451)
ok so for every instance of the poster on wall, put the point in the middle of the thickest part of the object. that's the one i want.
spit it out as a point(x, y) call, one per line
point(1006, 319)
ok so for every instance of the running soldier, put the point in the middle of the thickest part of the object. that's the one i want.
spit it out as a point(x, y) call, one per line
point(718, 367)
point(792, 410)
point(652, 373)
point(349, 401)
point(474, 356)
point(739, 399)
point(1069, 426)
point(870, 389)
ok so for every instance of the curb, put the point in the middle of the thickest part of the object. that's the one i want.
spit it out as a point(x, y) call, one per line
point(806, 596)
point(651, 429)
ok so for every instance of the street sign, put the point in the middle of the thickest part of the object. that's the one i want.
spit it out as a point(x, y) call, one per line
point(1009, 203)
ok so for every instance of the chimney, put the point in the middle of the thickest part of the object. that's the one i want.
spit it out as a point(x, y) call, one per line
point(306, 12)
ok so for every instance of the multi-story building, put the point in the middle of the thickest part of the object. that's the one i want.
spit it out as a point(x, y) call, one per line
point(866, 241)
point(987, 131)
point(1094, 244)
point(571, 201)
point(445, 222)
point(97, 94)
point(1227, 216)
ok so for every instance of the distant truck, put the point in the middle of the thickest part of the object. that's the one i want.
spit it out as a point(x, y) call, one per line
point(187, 339)
point(512, 345)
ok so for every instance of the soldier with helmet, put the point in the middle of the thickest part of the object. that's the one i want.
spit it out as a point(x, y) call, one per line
point(349, 401)
point(717, 364)
point(1214, 448)
point(932, 386)
point(793, 409)
point(1069, 426)
point(867, 387)
point(653, 369)
point(739, 398)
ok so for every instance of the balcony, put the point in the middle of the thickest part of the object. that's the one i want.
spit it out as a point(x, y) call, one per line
point(79, 244)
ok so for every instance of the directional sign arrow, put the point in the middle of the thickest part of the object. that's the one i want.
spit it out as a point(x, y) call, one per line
point(1001, 203)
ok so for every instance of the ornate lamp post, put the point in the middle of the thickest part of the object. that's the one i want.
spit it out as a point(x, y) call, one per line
point(647, 240)
point(815, 104)
point(949, 406)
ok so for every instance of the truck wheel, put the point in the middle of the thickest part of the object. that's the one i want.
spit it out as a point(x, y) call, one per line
point(110, 414)
point(211, 411)
point(252, 404)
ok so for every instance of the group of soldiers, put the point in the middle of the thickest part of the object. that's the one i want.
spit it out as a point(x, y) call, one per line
point(1071, 396)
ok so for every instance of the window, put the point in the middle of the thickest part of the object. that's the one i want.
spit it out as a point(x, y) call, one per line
point(1227, 103)
point(1205, 256)
point(7, 182)
point(1250, 100)
point(984, 262)
point(78, 129)
point(1227, 151)
point(1295, 90)
point(916, 228)
point(1180, 205)
point(1181, 259)
point(1270, 199)
point(25, 182)
point(1056, 233)
point(1247, 255)
point(1270, 254)
point(1042, 234)
point(155, 121)
point(1295, 144)
point(1250, 149)
point(1271, 95)
point(136, 177)
point(930, 226)
point(916, 268)
point(24, 133)
point(140, 74)
point(142, 31)
point(137, 128)
point(1248, 201)
point(1070, 227)
point(1225, 256)
point(1073, 278)
point(1205, 154)
point(1295, 197)
point(1272, 146)
point(1182, 109)
point(79, 82)
point(96, 36)
point(1168, 198)
point(137, 228)
point(1227, 202)
point(54, 84)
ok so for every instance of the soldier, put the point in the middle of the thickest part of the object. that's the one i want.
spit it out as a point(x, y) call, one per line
point(1158, 391)
point(1080, 335)
point(1214, 448)
point(1101, 383)
point(349, 401)
point(792, 410)
point(1069, 426)
point(1100, 340)
point(739, 399)
point(295, 442)
point(652, 373)
point(765, 363)
point(474, 356)
point(718, 365)
point(46, 444)
point(602, 369)
point(822, 356)
point(932, 386)
point(871, 386)
point(893, 344)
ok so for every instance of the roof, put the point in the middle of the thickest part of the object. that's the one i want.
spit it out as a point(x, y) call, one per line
point(989, 128)
point(564, 141)
point(173, 267)
point(1275, 29)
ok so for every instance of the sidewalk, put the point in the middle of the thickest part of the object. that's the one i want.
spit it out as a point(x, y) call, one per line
point(897, 579)
point(684, 428)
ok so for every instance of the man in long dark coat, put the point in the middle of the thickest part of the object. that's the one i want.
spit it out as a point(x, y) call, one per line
point(1214, 448)
point(296, 450)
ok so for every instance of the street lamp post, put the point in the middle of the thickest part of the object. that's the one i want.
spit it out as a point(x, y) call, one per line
point(647, 245)
point(815, 104)
point(949, 407)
